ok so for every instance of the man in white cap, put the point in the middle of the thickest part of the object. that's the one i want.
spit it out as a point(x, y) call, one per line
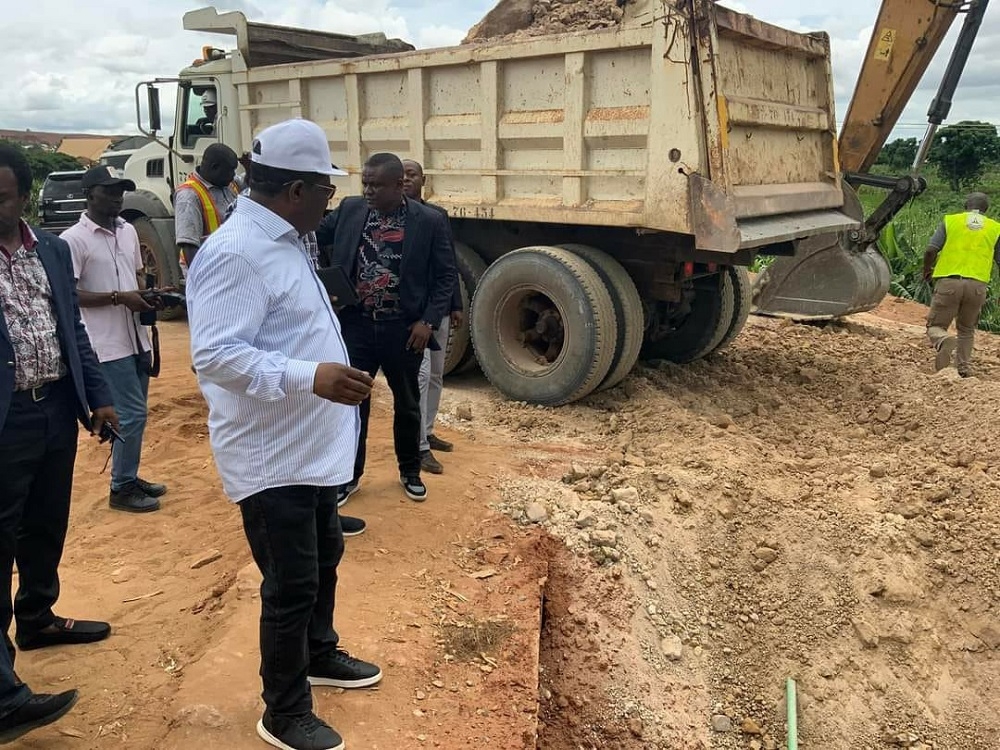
point(210, 104)
point(283, 419)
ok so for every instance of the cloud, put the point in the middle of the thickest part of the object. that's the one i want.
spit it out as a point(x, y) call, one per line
point(69, 67)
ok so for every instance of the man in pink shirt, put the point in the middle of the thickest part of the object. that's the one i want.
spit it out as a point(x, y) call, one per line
point(107, 264)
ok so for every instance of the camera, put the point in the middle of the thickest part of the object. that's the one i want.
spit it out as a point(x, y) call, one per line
point(160, 301)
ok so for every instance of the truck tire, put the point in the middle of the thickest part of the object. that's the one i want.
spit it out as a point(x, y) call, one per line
point(543, 326)
point(692, 334)
point(628, 311)
point(742, 302)
point(156, 262)
point(727, 298)
point(461, 356)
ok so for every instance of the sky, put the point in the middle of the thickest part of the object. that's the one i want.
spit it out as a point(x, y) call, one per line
point(69, 68)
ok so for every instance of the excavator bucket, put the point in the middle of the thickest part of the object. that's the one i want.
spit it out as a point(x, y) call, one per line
point(827, 278)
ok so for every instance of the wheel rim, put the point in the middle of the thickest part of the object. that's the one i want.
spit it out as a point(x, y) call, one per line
point(532, 330)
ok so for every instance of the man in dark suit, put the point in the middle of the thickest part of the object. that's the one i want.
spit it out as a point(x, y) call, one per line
point(49, 379)
point(399, 254)
point(432, 368)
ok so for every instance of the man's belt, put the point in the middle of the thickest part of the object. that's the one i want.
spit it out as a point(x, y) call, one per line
point(378, 315)
point(36, 393)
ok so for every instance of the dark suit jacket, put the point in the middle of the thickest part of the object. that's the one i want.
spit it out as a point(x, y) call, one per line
point(81, 363)
point(427, 271)
point(456, 293)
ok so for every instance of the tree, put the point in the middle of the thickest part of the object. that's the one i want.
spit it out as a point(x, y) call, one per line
point(42, 163)
point(898, 154)
point(961, 152)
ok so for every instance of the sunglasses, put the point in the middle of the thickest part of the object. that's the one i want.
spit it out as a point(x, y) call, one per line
point(330, 190)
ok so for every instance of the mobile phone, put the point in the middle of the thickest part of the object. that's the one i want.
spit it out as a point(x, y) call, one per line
point(110, 433)
point(338, 286)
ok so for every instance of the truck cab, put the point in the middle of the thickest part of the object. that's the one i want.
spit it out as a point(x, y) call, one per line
point(207, 110)
point(204, 113)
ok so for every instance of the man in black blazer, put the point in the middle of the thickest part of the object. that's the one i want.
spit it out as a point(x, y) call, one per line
point(49, 380)
point(400, 257)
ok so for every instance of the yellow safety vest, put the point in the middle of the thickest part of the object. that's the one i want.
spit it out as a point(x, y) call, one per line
point(209, 214)
point(970, 239)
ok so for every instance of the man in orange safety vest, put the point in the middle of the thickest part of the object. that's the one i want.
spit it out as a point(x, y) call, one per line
point(200, 203)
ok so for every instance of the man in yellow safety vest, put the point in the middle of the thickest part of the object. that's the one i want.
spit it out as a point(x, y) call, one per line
point(200, 204)
point(960, 258)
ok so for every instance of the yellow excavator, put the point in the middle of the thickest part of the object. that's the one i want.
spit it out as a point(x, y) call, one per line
point(839, 274)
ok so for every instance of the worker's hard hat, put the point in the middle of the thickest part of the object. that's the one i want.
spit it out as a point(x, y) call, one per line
point(208, 98)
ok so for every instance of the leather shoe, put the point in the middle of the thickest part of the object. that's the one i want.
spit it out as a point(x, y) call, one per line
point(153, 489)
point(437, 444)
point(430, 464)
point(64, 632)
point(38, 711)
point(132, 499)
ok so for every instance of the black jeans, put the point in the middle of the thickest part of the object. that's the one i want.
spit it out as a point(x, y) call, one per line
point(372, 345)
point(295, 537)
point(37, 454)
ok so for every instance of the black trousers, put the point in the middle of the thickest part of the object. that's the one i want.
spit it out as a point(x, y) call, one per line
point(374, 345)
point(37, 454)
point(296, 541)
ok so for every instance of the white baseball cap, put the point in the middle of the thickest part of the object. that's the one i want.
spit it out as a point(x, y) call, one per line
point(208, 98)
point(296, 145)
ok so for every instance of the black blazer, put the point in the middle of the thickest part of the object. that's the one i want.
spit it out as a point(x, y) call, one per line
point(456, 292)
point(81, 363)
point(427, 270)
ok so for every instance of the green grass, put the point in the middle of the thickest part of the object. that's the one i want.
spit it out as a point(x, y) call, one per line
point(903, 242)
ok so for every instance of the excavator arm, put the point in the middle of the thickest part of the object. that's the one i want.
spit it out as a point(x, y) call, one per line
point(905, 39)
point(835, 275)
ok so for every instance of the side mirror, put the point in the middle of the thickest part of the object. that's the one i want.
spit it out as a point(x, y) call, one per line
point(153, 100)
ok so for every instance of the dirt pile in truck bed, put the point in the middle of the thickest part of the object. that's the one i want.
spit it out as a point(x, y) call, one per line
point(514, 19)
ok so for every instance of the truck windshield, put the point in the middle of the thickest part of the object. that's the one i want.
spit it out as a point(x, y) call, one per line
point(200, 113)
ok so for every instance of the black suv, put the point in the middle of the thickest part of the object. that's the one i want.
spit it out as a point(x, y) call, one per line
point(61, 201)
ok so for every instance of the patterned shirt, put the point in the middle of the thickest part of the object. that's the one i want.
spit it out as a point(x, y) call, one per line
point(379, 259)
point(26, 299)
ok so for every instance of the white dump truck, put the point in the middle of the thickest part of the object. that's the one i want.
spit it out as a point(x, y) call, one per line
point(608, 188)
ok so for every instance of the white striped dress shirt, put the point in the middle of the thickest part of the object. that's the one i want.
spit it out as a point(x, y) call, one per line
point(261, 323)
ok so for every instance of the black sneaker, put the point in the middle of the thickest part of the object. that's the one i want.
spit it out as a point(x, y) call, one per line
point(37, 712)
point(340, 669)
point(414, 488)
point(351, 526)
point(437, 444)
point(429, 463)
point(153, 489)
point(132, 499)
point(305, 732)
point(346, 491)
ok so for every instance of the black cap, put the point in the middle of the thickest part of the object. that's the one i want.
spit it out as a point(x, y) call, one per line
point(105, 176)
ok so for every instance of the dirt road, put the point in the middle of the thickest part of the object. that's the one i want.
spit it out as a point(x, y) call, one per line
point(180, 589)
point(813, 502)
